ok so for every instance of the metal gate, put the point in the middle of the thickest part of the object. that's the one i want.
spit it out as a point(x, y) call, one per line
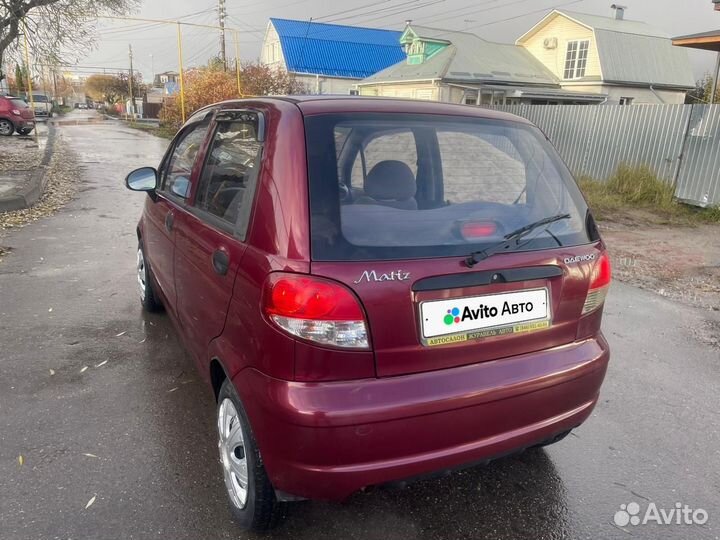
point(699, 179)
point(680, 143)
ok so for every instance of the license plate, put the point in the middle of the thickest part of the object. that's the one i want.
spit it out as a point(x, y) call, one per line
point(463, 316)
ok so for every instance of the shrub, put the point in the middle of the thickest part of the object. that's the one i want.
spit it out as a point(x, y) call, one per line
point(638, 188)
point(202, 87)
point(209, 85)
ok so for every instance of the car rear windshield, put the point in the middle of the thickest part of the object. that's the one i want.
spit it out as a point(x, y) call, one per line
point(397, 186)
point(40, 99)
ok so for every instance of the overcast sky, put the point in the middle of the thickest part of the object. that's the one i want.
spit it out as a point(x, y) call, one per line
point(155, 48)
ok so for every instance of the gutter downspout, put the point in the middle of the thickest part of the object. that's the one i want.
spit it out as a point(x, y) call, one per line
point(661, 100)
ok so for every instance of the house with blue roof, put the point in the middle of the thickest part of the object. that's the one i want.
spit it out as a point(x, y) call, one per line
point(329, 58)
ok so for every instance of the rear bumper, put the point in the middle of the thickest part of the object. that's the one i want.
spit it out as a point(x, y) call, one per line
point(328, 440)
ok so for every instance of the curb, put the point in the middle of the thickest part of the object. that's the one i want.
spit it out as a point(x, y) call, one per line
point(38, 181)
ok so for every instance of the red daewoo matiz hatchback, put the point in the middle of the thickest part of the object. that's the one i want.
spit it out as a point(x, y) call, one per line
point(375, 289)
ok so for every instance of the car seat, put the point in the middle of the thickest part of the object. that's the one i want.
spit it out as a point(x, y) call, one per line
point(390, 183)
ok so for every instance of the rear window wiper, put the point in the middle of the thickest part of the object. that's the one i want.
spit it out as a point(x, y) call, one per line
point(511, 240)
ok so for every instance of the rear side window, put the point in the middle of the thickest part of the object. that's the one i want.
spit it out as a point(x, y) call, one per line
point(228, 181)
point(393, 186)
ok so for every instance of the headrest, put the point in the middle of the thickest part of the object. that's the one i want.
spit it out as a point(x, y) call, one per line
point(390, 180)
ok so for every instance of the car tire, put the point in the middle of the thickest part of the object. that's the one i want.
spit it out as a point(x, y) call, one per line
point(7, 128)
point(148, 297)
point(254, 505)
point(24, 131)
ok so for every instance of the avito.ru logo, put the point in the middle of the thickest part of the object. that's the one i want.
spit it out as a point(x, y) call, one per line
point(455, 316)
point(630, 514)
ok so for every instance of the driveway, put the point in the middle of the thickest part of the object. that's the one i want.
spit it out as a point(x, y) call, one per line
point(103, 405)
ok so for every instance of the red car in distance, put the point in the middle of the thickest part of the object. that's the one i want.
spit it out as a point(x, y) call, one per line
point(15, 116)
point(375, 290)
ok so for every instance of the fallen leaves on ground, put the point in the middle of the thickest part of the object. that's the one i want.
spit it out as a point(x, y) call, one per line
point(19, 154)
point(90, 502)
point(62, 176)
point(21, 460)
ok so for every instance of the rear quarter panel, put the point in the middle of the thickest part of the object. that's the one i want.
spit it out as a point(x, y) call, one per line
point(278, 240)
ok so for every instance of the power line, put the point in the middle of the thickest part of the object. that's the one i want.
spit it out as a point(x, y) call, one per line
point(411, 6)
point(515, 17)
point(461, 12)
point(402, 10)
point(245, 13)
point(248, 28)
point(343, 12)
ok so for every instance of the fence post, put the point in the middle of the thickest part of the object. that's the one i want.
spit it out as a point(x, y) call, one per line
point(683, 149)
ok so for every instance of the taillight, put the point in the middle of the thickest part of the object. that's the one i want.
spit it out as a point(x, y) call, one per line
point(315, 309)
point(599, 284)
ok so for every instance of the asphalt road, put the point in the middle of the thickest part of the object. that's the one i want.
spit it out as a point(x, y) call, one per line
point(68, 300)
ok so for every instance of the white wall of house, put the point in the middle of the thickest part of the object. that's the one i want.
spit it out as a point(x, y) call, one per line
point(327, 85)
point(421, 90)
point(271, 52)
point(639, 96)
point(550, 43)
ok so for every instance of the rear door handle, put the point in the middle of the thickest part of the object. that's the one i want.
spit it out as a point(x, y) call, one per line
point(169, 220)
point(221, 262)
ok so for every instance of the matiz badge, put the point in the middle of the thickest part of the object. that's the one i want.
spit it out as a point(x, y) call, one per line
point(373, 276)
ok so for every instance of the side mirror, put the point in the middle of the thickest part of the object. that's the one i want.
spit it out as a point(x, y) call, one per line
point(144, 179)
point(181, 187)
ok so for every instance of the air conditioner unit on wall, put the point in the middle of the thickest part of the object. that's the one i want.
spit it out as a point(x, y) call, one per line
point(550, 43)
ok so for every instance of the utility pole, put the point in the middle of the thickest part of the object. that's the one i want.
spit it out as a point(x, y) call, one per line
point(152, 67)
point(222, 13)
point(55, 90)
point(130, 83)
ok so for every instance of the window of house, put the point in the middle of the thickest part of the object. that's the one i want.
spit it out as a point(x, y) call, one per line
point(576, 59)
point(626, 101)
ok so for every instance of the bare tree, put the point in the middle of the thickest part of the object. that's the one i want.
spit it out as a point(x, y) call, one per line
point(54, 27)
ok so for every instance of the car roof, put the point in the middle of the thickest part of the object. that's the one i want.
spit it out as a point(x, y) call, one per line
point(310, 105)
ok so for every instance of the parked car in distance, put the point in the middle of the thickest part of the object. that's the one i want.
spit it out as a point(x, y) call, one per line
point(83, 106)
point(375, 290)
point(15, 116)
point(41, 104)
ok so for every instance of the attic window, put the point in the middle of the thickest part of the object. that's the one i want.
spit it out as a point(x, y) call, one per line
point(576, 59)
